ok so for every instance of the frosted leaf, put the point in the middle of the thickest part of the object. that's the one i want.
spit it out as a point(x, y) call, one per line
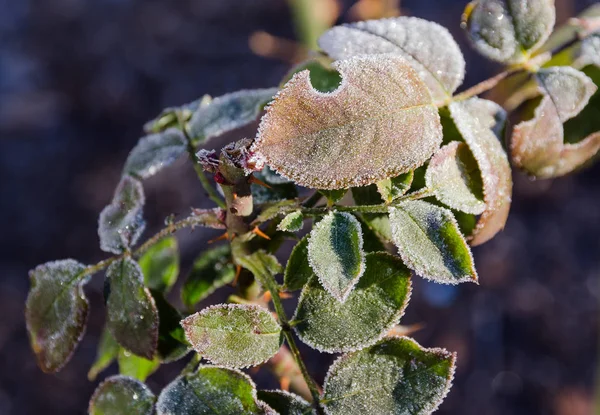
point(480, 123)
point(342, 139)
point(430, 243)
point(121, 395)
point(155, 151)
point(160, 264)
point(262, 265)
point(285, 403)
point(537, 145)
point(121, 223)
point(373, 307)
point(228, 112)
point(395, 376)
point(210, 390)
point(135, 366)
point(107, 352)
point(589, 54)
point(210, 218)
point(172, 344)
point(212, 270)
point(393, 187)
point(168, 117)
point(298, 270)
point(292, 222)
point(273, 209)
point(428, 46)
point(234, 335)
point(509, 30)
point(56, 312)
point(335, 253)
point(131, 314)
point(452, 174)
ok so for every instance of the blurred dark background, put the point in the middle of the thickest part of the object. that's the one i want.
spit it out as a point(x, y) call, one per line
point(79, 78)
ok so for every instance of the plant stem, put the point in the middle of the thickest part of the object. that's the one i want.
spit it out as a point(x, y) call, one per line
point(486, 85)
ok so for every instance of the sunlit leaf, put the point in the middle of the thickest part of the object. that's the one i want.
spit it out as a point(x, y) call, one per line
point(155, 151)
point(589, 52)
point(430, 243)
point(298, 270)
point(135, 366)
point(292, 222)
point(210, 390)
point(509, 30)
point(211, 270)
point(272, 210)
point(132, 317)
point(160, 264)
point(121, 223)
point(377, 222)
point(285, 403)
point(342, 139)
point(393, 187)
point(454, 177)
point(108, 350)
point(56, 312)
point(395, 376)
point(480, 123)
point(335, 253)
point(234, 335)
point(374, 306)
point(428, 46)
point(121, 395)
point(228, 112)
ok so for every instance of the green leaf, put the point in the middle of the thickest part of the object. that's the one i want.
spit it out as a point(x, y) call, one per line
point(154, 152)
point(120, 395)
point(234, 335)
point(121, 223)
point(56, 312)
point(132, 317)
point(272, 210)
point(168, 117)
point(262, 265)
point(372, 309)
point(172, 344)
point(342, 139)
point(292, 222)
point(371, 241)
point(228, 112)
point(430, 243)
point(455, 179)
point(335, 253)
point(298, 270)
point(333, 196)
point(160, 264)
point(279, 188)
point(587, 122)
point(509, 30)
point(429, 48)
point(395, 376)
point(210, 390)
point(108, 350)
point(285, 403)
point(322, 76)
point(377, 222)
point(393, 187)
point(136, 367)
point(211, 270)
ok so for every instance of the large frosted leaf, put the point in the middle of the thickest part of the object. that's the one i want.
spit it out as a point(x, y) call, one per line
point(335, 253)
point(428, 46)
point(160, 264)
point(373, 307)
point(56, 312)
point(155, 151)
point(211, 270)
point(452, 174)
point(285, 403)
point(228, 112)
point(341, 139)
point(210, 390)
point(132, 317)
point(430, 243)
point(509, 30)
point(480, 123)
point(537, 145)
point(234, 335)
point(395, 376)
point(121, 223)
point(121, 395)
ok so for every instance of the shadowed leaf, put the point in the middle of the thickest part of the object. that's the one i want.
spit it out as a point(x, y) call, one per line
point(285, 403)
point(135, 366)
point(279, 188)
point(154, 152)
point(377, 222)
point(121, 395)
point(160, 264)
point(298, 270)
point(108, 350)
point(292, 222)
point(334, 196)
point(392, 188)
point(172, 344)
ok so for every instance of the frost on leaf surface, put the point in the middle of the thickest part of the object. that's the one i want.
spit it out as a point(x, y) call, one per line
point(589, 53)
point(155, 151)
point(537, 145)
point(393, 187)
point(454, 177)
point(292, 222)
point(428, 46)
point(373, 307)
point(395, 376)
point(132, 317)
point(160, 264)
point(121, 395)
point(234, 335)
point(480, 123)
point(335, 253)
point(121, 223)
point(210, 390)
point(430, 243)
point(56, 312)
point(379, 123)
point(509, 30)
point(285, 403)
point(228, 112)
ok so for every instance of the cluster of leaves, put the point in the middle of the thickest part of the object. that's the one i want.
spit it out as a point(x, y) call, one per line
point(428, 175)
